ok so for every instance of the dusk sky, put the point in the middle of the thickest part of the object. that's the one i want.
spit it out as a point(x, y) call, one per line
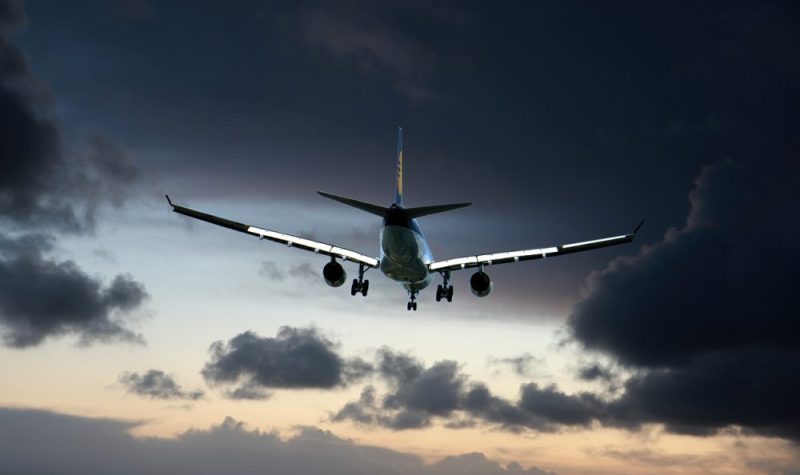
point(133, 340)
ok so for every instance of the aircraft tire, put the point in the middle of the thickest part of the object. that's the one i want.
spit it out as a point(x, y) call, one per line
point(355, 287)
point(364, 288)
point(450, 294)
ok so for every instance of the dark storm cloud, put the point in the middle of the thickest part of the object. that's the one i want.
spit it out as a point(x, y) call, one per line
point(43, 190)
point(419, 395)
point(42, 297)
point(296, 358)
point(708, 316)
point(559, 408)
point(416, 393)
point(156, 384)
point(40, 185)
point(596, 372)
point(540, 409)
point(77, 446)
point(434, 391)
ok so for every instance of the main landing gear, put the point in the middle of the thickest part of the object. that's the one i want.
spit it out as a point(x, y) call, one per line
point(412, 305)
point(360, 285)
point(445, 291)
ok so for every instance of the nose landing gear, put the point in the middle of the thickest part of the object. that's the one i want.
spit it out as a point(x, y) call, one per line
point(445, 291)
point(412, 305)
point(360, 285)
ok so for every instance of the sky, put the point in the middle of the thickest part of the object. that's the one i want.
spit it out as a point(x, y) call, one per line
point(133, 340)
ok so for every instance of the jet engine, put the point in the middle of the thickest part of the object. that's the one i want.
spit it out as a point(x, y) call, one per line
point(480, 284)
point(334, 274)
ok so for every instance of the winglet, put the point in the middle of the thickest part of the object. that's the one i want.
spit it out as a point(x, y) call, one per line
point(639, 226)
point(169, 201)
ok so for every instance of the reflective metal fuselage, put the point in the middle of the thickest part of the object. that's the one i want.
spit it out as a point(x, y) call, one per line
point(405, 253)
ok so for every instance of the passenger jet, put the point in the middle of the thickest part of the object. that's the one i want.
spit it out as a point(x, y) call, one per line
point(404, 255)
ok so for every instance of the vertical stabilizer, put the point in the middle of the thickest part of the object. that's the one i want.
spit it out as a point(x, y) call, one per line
point(398, 197)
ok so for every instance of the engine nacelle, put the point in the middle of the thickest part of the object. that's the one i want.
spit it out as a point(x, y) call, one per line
point(334, 274)
point(480, 284)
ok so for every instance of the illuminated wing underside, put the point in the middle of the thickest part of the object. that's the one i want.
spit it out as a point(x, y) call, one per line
point(528, 254)
point(287, 239)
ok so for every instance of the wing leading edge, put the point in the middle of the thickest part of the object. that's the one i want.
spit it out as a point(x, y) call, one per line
point(529, 254)
point(287, 239)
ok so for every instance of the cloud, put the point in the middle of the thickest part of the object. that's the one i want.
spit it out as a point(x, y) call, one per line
point(78, 446)
point(41, 184)
point(296, 358)
point(42, 189)
point(419, 395)
point(477, 463)
point(42, 297)
point(606, 375)
point(156, 384)
point(540, 409)
point(594, 372)
point(416, 393)
point(707, 318)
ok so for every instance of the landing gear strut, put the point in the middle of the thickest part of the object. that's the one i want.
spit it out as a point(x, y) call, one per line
point(445, 291)
point(412, 305)
point(360, 285)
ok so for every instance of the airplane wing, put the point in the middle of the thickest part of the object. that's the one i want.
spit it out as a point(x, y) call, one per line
point(529, 254)
point(287, 239)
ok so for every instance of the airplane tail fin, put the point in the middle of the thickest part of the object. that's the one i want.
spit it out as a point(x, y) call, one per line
point(398, 196)
point(362, 205)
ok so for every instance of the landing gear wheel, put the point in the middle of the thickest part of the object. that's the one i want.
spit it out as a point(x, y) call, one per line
point(364, 288)
point(412, 305)
point(445, 291)
point(356, 287)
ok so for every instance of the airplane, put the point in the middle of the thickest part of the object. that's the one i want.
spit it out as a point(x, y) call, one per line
point(404, 254)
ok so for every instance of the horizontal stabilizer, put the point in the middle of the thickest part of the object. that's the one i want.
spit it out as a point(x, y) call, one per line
point(426, 210)
point(362, 205)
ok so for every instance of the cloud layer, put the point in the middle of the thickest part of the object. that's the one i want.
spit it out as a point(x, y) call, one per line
point(46, 442)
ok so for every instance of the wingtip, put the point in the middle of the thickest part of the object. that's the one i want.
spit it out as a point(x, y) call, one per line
point(169, 201)
point(639, 226)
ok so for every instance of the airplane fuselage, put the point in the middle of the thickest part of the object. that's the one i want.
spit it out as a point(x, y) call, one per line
point(404, 251)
